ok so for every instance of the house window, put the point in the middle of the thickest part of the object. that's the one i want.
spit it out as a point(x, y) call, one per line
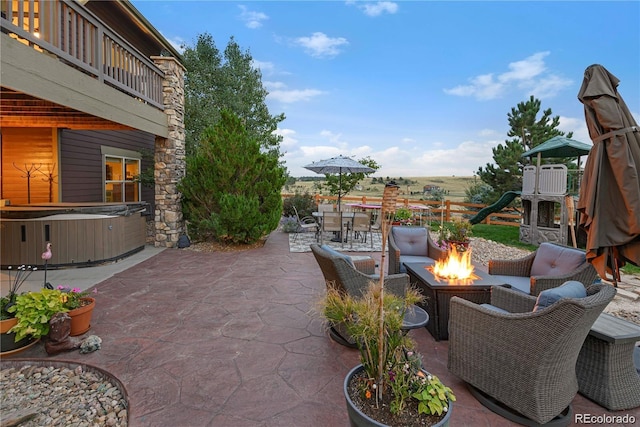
point(121, 184)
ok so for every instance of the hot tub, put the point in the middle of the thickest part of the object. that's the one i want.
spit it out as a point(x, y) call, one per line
point(78, 239)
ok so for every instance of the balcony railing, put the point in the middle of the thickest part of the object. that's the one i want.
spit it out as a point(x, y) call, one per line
point(73, 34)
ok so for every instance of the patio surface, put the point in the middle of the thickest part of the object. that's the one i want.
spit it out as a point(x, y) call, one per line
point(231, 339)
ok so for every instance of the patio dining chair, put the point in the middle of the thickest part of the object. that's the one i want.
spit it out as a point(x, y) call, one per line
point(307, 223)
point(332, 222)
point(361, 225)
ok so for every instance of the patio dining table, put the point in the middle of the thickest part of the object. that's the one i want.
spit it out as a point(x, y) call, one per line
point(347, 220)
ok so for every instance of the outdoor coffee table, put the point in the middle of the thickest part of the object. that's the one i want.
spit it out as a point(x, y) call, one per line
point(605, 369)
point(438, 293)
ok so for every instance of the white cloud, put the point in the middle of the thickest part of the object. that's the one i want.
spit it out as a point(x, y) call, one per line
point(529, 75)
point(461, 160)
point(176, 42)
point(377, 9)
point(288, 138)
point(374, 8)
point(265, 67)
point(252, 19)
point(294, 95)
point(576, 125)
point(319, 45)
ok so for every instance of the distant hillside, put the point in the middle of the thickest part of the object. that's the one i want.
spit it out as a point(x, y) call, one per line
point(454, 186)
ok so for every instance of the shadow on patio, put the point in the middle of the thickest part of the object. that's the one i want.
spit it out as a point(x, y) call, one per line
point(231, 339)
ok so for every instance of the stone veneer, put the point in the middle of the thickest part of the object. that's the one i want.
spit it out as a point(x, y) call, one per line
point(170, 156)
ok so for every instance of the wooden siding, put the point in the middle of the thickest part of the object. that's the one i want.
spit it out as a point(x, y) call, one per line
point(29, 148)
point(82, 178)
point(75, 241)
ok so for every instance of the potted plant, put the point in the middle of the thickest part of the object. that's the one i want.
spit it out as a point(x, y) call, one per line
point(389, 387)
point(34, 310)
point(80, 306)
point(8, 341)
point(457, 232)
point(402, 216)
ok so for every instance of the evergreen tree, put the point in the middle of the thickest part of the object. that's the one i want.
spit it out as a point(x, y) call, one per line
point(231, 190)
point(527, 132)
point(215, 82)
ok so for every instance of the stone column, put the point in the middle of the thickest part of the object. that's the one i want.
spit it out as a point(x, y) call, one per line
point(170, 156)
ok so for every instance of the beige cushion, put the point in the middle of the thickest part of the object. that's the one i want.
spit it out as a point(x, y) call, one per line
point(554, 260)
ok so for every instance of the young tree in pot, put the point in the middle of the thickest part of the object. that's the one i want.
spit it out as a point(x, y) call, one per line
point(392, 389)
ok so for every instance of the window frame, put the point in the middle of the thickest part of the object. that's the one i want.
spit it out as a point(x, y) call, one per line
point(123, 156)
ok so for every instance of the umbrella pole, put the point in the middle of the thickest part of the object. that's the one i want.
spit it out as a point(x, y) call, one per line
point(339, 188)
point(615, 271)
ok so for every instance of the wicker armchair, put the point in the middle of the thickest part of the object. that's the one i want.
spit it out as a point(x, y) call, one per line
point(524, 360)
point(353, 277)
point(548, 267)
point(411, 244)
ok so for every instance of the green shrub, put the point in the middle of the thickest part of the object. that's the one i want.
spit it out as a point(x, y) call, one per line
point(231, 189)
point(304, 203)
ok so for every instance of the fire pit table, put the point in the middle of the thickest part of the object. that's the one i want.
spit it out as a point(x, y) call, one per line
point(438, 292)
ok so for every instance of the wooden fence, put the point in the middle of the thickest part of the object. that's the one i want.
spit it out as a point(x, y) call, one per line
point(435, 210)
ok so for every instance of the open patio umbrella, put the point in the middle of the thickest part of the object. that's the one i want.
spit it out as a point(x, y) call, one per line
point(610, 192)
point(338, 165)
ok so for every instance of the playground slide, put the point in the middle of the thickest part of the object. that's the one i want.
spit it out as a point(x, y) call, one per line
point(504, 200)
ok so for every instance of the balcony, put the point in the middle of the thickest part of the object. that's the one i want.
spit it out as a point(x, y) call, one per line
point(66, 30)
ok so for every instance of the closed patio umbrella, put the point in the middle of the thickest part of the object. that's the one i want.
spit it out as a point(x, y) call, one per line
point(610, 192)
point(338, 165)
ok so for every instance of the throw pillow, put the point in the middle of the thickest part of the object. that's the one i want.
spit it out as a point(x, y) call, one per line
point(335, 253)
point(569, 289)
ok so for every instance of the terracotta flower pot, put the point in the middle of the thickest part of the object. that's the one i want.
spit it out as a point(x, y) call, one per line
point(81, 317)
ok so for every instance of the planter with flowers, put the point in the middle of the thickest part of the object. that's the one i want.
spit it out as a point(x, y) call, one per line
point(397, 391)
point(402, 216)
point(455, 233)
point(389, 387)
point(33, 310)
point(80, 306)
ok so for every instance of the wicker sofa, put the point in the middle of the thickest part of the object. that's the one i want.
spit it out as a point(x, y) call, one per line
point(352, 277)
point(411, 244)
point(524, 360)
point(548, 267)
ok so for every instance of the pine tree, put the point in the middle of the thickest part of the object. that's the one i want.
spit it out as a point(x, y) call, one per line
point(231, 190)
point(527, 132)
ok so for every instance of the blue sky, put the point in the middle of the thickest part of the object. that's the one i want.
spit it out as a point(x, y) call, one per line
point(422, 87)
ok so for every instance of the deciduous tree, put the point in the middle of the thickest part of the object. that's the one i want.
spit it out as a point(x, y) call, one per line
point(216, 81)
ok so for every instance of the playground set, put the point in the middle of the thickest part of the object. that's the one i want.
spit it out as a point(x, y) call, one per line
point(548, 213)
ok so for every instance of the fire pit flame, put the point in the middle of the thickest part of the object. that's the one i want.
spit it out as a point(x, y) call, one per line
point(456, 266)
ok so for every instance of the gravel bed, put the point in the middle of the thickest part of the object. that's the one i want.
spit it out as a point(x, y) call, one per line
point(60, 396)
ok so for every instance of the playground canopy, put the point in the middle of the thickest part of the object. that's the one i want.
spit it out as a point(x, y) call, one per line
point(559, 146)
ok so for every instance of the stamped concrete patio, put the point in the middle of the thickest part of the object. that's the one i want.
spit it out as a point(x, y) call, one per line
point(232, 339)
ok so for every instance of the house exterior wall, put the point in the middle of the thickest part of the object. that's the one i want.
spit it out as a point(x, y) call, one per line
point(81, 160)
